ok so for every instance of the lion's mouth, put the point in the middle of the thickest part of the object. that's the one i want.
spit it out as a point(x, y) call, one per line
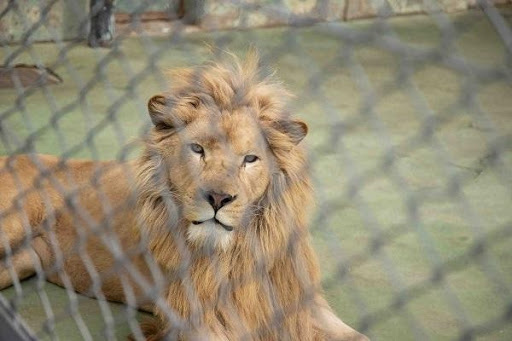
point(226, 227)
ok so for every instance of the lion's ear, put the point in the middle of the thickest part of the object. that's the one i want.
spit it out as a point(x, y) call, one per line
point(159, 112)
point(295, 129)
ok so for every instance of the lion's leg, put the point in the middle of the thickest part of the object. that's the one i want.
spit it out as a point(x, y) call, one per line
point(155, 329)
point(331, 326)
point(12, 233)
point(17, 266)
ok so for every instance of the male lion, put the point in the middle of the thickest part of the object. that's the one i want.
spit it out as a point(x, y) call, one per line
point(210, 236)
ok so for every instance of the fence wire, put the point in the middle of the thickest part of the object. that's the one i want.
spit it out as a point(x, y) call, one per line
point(410, 146)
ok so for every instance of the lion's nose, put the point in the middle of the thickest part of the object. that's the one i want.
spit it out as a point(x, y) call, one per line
point(218, 200)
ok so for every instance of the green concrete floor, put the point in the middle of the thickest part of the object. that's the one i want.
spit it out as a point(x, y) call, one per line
point(447, 223)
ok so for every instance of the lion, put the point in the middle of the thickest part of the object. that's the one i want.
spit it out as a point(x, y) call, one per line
point(207, 229)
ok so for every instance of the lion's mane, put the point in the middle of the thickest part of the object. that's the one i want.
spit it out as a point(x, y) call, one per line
point(263, 287)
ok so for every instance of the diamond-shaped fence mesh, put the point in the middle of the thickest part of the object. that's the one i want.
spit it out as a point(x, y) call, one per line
point(409, 147)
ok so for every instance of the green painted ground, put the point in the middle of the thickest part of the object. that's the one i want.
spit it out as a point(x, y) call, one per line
point(429, 204)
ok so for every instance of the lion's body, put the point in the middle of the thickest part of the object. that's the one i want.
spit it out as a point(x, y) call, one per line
point(67, 192)
point(237, 267)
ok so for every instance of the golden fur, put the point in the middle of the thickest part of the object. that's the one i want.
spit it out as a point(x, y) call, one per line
point(238, 267)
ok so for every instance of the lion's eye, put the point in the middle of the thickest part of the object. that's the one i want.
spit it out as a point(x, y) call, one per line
point(194, 102)
point(197, 148)
point(250, 158)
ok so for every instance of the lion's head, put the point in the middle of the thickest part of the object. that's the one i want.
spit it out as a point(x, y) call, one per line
point(222, 137)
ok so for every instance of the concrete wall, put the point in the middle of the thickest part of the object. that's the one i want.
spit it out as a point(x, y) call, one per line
point(45, 21)
point(62, 19)
point(128, 6)
point(221, 14)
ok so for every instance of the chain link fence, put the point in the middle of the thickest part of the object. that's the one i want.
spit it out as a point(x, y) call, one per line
point(410, 146)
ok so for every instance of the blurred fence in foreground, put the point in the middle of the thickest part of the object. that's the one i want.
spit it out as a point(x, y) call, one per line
point(402, 257)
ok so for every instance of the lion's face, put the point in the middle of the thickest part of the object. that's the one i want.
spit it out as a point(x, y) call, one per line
point(217, 141)
point(221, 168)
